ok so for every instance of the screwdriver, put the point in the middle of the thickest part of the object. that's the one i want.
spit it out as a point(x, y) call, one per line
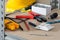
point(42, 26)
point(53, 22)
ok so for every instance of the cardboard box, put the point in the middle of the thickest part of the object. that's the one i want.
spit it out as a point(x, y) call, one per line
point(42, 9)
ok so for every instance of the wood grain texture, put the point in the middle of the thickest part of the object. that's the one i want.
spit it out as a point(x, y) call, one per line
point(53, 34)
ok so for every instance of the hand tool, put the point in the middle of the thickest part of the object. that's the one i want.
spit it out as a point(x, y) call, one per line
point(25, 16)
point(38, 17)
point(43, 19)
point(42, 26)
point(26, 25)
point(53, 16)
point(53, 22)
point(9, 22)
point(22, 20)
point(33, 15)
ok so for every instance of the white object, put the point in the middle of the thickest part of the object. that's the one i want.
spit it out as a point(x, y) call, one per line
point(42, 9)
point(45, 27)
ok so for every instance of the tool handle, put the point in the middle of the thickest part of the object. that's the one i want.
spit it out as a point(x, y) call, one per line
point(21, 28)
point(58, 21)
point(24, 16)
point(32, 24)
point(26, 25)
point(54, 15)
point(38, 19)
point(33, 13)
point(42, 18)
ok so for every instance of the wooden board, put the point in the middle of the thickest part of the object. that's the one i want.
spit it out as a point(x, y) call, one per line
point(34, 34)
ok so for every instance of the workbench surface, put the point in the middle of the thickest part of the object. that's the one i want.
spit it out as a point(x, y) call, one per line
point(34, 34)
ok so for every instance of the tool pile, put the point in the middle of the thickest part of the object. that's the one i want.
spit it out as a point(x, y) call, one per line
point(12, 24)
point(37, 12)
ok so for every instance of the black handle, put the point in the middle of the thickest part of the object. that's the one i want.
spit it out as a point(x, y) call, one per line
point(21, 28)
point(54, 15)
point(38, 19)
point(32, 24)
point(42, 18)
